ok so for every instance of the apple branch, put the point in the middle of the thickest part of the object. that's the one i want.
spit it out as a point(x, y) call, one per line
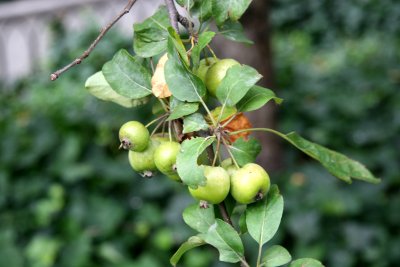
point(103, 32)
point(175, 17)
point(173, 14)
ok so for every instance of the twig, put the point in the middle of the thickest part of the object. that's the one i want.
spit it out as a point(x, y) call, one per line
point(173, 14)
point(103, 32)
point(186, 23)
point(175, 17)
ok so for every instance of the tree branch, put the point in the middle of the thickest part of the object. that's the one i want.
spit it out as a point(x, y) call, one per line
point(173, 14)
point(103, 32)
point(175, 17)
point(186, 23)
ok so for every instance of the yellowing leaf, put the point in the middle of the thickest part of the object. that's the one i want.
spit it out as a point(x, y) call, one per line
point(158, 83)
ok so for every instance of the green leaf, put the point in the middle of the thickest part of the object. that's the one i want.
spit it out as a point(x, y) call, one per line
point(186, 3)
point(198, 218)
point(174, 102)
point(223, 237)
point(245, 151)
point(306, 262)
point(233, 9)
point(183, 109)
point(226, 113)
point(177, 42)
point(337, 164)
point(150, 37)
point(192, 242)
point(183, 84)
point(193, 123)
point(203, 40)
point(127, 76)
point(233, 31)
point(242, 223)
point(263, 217)
point(257, 97)
point(237, 81)
point(99, 87)
point(275, 256)
point(186, 161)
point(202, 9)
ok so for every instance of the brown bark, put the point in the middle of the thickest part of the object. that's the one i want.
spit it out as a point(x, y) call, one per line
point(259, 56)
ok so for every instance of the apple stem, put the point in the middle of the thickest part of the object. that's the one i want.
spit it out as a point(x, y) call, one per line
point(155, 120)
point(217, 150)
point(212, 52)
point(156, 128)
point(224, 213)
point(169, 131)
point(229, 120)
point(230, 153)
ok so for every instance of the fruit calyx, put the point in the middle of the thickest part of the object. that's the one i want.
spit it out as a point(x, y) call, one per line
point(203, 204)
point(147, 174)
point(126, 144)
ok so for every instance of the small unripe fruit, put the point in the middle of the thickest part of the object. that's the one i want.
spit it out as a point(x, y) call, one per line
point(249, 184)
point(217, 187)
point(143, 162)
point(165, 159)
point(134, 136)
point(216, 73)
point(161, 138)
point(229, 166)
point(204, 65)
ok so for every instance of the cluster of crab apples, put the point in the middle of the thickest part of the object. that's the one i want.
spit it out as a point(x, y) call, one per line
point(149, 154)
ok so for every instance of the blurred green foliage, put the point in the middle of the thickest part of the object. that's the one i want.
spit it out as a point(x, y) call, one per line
point(337, 67)
point(68, 197)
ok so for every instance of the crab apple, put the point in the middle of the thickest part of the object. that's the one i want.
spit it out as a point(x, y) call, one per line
point(217, 72)
point(229, 166)
point(143, 162)
point(204, 65)
point(134, 136)
point(165, 159)
point(249, 184)
point(160, 137)
point(216, 188)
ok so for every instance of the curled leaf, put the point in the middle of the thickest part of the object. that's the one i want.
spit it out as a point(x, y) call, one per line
point(159, 86)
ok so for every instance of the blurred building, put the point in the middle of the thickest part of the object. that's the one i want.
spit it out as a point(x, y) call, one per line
point(25, 36)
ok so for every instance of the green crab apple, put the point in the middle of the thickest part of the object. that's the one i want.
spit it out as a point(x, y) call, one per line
point(143, 162)
point(134, 136)
point(165, 159)
point(204, 65)
point(160, 137)
point(217, 72)
point(228, 165)
point(249, 184)
point(216, 188)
